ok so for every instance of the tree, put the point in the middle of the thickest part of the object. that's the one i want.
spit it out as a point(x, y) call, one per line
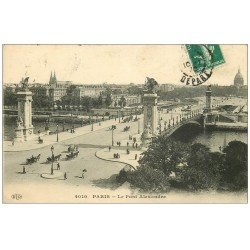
point(99, 101)
point(70, 90)
point(135, 90)
point(165, 154)
point(41, 102)
point(66, 100)
point(235, 171)
point(87, 103)
point(9, 97)
point(122, 101)
point(146, 179)
point(203, 168)
point(108, 100)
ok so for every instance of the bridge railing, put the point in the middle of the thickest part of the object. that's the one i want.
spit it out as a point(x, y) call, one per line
point(176, 123)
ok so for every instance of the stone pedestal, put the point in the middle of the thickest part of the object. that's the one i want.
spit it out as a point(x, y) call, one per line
point(146, 137)
point(19, 134)
point(208, 100)
point(25, 128)
point(150, 112)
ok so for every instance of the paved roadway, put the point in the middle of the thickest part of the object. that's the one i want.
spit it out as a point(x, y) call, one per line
point(88, 144)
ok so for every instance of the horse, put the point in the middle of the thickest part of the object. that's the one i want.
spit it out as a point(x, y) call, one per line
point(29, 161)
point(75, 154)
point(37, 158)
point(57, 157)
point(32, 159)
point(127, 128)
point(68, 157)
point(40, 140)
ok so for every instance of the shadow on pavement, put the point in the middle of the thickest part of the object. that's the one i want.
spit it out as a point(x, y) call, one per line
point(109, 183)
point(91, 146)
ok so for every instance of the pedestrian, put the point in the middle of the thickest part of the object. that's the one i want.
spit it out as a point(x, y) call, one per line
point(109, 148)
point(127, 144)
point(136, 145)
point(83, 174)
point(65, 176)
point(24, 171)
point(135, 156)
point(114, 155)
point(58, 166)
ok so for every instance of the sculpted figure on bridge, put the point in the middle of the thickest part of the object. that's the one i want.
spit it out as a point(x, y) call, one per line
point(151, 84)
point(25, 83)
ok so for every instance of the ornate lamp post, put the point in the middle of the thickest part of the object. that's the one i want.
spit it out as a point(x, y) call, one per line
point(52, 157)
point(57, 139)
point(63, 126)
point(112, 129)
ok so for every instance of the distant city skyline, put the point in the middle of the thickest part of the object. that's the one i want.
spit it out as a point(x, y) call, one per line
point(114, 64)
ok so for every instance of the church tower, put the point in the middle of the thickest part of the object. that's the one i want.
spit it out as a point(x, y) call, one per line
point(53, 80)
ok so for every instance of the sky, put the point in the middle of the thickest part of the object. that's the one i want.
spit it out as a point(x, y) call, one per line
point(119, 64)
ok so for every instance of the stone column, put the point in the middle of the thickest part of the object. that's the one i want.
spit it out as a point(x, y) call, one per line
point(208, 100)
point(24, 115)
point(150, 112)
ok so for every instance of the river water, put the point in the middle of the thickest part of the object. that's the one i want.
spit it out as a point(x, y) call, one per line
point(212, 139)
point(10, 125)
point(215, 139)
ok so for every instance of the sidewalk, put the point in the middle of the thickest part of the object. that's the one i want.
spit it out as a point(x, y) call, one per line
point(51, 139)
point(129, 159)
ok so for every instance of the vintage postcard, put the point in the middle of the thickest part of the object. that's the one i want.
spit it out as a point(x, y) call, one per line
point(125, 123)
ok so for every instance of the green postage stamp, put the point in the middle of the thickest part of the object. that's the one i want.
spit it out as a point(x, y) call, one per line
point(204, 56)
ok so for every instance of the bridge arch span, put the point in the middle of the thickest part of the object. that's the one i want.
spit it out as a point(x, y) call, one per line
point(190, 127)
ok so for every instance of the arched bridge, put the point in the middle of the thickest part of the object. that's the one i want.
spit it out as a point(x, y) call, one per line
point(195, 119)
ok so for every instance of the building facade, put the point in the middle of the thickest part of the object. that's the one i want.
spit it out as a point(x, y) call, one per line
point(88, 90)
point(166, 88)
point(57, 89)
point(128, 100)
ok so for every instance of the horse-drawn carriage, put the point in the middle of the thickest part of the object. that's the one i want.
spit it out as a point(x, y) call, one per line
point(53, 158)
point(40, 141)
point(72, 148)
point(127, 128)
point(32, 159)
point(72, 155)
